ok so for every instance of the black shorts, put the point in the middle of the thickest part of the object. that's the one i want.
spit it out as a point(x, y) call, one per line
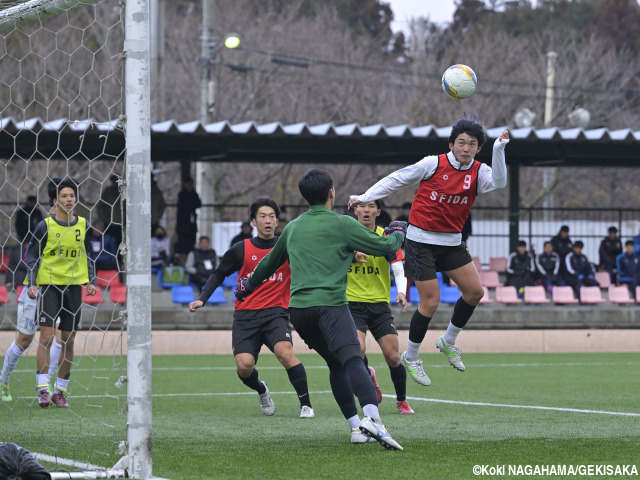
point(64, 301)
point(268, 327)
point(423, 260)
point(374, 316)
point(325, 329)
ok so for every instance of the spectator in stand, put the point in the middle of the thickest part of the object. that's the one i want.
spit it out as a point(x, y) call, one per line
point(246, 232)
point(406, 210)
point(610, 248)
point(520, 268)
point(110, 210)
point(187, 219)
point(578, 270)
point(160, 248)
point(17, 269)
point(628, 266)
point(562, 244)
point(201, 262)
point(636, 244)
point(157, 204)
point(27, 217)
point(104, 250)
point(548, 267)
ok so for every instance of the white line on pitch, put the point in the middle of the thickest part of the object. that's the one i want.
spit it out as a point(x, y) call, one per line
point(421, 399)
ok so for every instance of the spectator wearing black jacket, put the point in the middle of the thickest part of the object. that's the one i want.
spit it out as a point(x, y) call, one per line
point(201, 262)
point(628, 266)
point(610, 248)
point(520, 268)
point(27, 217)
point(562, 244)
point(578, 269)
point(548, 267)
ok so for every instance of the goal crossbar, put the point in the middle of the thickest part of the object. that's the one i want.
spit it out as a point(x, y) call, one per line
point(32, 11)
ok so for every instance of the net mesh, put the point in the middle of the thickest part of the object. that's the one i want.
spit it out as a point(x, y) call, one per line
point(62, 114)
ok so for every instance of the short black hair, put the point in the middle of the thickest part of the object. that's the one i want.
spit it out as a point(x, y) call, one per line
point(58, 184)
point(578, 244)
point(204, 237)
point(629, 242)
point(262, 201)
point(613, 230)
point(32, 198)
point(564, 228)
point(472, 126)
point(314, 186)
point(521, 243)
point(549, 242)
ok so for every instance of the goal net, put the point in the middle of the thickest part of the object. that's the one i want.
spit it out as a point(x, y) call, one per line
point(62, 114)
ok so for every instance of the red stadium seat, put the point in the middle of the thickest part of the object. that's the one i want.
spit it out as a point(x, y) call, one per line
point(620, 295)
point(563, 295)
point(490, 278)
point(477, 262)
point(4, 262)
point(591, 295)
point(4, 295)
point(92, 299)
point(603, 279)
point(19, 289)
point(118, 294)
point(486, 298)
point(535, 294)
point(108, 278)
point(498, 264)
point(507, 295)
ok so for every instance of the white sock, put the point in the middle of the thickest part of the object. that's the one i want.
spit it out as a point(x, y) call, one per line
point(54, 358)
point(11, 359)
point(61, 384)
point(371, 410)
point(42, 381)
point(452, 334)
point(412, 351)
point(354, 422)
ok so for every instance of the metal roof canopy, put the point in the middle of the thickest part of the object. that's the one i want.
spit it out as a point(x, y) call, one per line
point(317, 144)
point(303, 143)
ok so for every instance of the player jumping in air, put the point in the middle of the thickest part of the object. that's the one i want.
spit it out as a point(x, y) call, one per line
point(368, 295)
point(448, 185)
point(57, 267)
point(264, 318)
point(319, 246)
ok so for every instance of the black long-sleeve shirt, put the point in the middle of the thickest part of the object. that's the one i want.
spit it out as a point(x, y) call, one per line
point(230, 263)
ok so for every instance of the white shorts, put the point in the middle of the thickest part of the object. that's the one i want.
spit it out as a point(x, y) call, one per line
point(27, 313)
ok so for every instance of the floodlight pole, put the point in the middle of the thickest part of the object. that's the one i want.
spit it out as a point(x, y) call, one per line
point(549, 173)
point(138, 241)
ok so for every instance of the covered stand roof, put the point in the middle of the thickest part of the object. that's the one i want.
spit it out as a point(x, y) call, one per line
point(303, 143)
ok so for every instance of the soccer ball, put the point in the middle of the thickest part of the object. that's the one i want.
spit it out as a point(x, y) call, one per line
point(459, 81)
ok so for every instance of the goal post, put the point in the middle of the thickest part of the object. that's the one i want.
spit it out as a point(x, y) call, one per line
point(138, 201)
point(73, 84)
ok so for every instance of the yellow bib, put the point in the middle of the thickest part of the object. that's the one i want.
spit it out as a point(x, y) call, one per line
point(369, 282)
point(64, 260)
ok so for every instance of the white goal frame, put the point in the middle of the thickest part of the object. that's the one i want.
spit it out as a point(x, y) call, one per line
point(137, 195)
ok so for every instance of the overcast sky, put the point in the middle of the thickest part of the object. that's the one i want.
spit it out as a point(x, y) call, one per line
point(438, 11)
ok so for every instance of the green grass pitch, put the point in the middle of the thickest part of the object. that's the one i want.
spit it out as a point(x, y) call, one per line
point(506, 409)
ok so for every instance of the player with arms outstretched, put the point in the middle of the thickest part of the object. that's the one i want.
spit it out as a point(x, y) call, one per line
point(264, 318)
point(448, 185)
point(319, 246)
point(368, 295)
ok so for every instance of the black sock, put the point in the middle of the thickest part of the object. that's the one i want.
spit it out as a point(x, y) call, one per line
point(418, 327)
point(360, 381)
point(462, 312)
point(253, 383)
point(366, 364)
point(341, 390)
point(298, 378)
point(399, 379)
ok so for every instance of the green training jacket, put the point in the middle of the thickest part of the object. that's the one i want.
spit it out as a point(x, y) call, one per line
point(319, 245)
